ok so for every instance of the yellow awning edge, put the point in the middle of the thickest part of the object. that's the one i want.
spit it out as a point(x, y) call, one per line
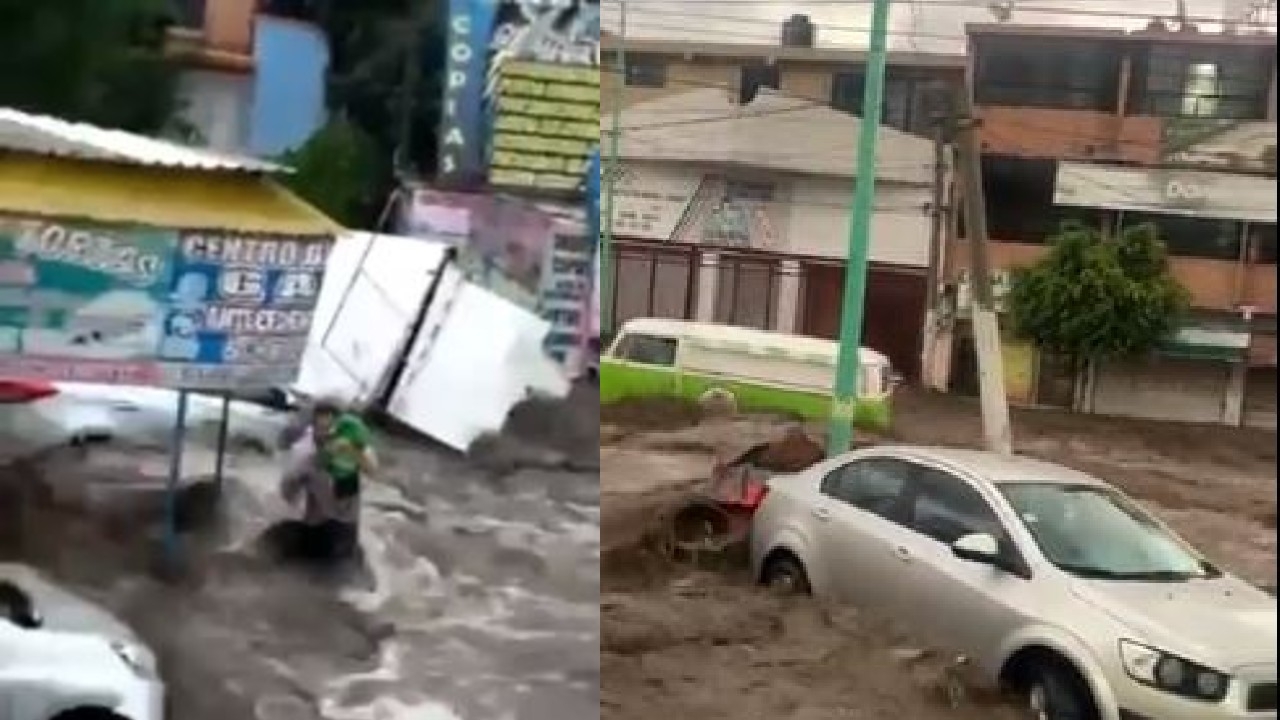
point(175, 198)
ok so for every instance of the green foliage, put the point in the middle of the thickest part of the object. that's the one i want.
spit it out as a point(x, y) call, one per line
point(370, 42)
point(1092, 298)
point(336, 170)
point(89, 60)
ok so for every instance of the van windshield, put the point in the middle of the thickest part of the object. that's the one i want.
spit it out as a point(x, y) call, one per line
point(646, 349)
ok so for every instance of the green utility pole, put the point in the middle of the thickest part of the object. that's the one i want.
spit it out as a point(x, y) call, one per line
point(611, 178)
point(840, 432)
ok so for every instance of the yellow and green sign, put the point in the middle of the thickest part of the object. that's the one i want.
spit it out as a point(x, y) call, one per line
point(546, 125)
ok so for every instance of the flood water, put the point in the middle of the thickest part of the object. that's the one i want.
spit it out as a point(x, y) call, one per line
point(479, 601)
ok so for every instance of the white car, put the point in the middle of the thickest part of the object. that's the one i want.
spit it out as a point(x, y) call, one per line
point(1050, 582)
point(64, 658)
point(37, 415)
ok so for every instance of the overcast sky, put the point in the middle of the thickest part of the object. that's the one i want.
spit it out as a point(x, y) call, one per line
point(926, 25)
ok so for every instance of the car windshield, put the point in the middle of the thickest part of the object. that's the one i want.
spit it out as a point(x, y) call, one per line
point(1096, 532)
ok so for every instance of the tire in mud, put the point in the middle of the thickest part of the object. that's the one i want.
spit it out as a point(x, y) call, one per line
point(1057, 692)
point(785, 575)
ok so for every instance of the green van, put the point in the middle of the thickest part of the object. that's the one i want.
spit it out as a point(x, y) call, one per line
point(756, 370)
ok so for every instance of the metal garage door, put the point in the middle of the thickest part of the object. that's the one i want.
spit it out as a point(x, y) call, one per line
point(1163, 389)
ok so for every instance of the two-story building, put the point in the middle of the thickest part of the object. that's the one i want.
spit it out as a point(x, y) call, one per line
point(255, 72)
point(1175, 128)
point(737, 171)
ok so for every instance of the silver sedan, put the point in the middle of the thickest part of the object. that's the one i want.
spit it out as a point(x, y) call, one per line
point(1050, 582)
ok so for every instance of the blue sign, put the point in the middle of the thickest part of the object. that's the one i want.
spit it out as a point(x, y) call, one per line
point(462, 126)
point(240, 306)
point(593, 197)
point(481, 36)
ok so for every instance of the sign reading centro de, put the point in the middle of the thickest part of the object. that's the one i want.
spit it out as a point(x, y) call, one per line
point(131, 305)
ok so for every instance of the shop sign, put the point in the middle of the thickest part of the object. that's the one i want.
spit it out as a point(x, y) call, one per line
point(547, 124)
point(135, 305)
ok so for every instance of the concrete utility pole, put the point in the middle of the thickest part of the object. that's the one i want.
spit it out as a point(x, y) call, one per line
point(611, 178)
point(840, 431)
point(996, 430)
point(938, 216)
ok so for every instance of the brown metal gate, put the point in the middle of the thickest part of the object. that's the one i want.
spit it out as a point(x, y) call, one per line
point(893, 316)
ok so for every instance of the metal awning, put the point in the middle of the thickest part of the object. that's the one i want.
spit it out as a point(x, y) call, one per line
point(181, 198)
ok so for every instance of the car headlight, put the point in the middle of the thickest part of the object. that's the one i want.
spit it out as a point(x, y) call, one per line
point(1171, 673)
point(135, 658)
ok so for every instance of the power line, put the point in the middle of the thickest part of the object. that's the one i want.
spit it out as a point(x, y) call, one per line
point(809, 104)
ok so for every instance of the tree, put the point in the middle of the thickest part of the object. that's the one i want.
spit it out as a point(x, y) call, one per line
point(90, 61)
point(338, 171)
point(1092, 298)
point(372, 43)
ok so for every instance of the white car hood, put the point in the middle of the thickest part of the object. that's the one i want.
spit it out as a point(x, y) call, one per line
point(63, 611)
point(1222, 622)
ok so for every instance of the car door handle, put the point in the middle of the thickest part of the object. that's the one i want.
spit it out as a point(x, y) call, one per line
point(902, 554)
point(822, 514)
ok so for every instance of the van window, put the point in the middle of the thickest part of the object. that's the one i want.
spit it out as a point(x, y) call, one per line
point(647, 349)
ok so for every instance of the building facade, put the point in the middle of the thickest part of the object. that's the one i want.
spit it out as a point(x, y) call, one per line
point(255, 73)
point(1171, 127)
point(737, 170)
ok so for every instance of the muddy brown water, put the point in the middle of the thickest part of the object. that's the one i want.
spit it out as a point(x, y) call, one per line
point(682, 642)
point(478, 601)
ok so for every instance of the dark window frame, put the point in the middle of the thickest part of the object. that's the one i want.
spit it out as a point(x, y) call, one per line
point(669, 345)
point(1012, 559)
point(1058, 73)
point(1262, 243)
point(906, 97)
point(1020, 207)
point(754, 76)
point(1186, 236)
point(1162, 72)
point(646, 72)
point(891, 509)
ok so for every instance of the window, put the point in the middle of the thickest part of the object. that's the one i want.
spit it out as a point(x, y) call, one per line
point(946, 509)
point(908, 99)
point(1047, 73)
point(1199, 81)
point(647, 349)
point(1019, 196)
point(755, 77)
point(1195, 237)
point(646, 72)
point(190, 13)
point(874, 485)
point(739, 191)
point(1262, 243)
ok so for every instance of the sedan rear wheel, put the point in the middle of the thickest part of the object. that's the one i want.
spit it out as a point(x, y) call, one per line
point(786, 576)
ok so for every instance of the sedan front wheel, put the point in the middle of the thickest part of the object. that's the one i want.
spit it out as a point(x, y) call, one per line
point(786, 576)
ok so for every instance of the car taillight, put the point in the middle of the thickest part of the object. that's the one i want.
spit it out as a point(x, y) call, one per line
point(17, 392)
point(754, 494)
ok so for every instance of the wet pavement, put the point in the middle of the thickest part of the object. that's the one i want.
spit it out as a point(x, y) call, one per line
point(479, 599)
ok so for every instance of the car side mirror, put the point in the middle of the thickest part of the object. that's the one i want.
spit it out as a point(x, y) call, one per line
point(979, 548)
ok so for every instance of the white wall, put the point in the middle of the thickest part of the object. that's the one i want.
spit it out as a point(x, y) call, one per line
point(218, 105)
point(810, 215)
point(819, 221)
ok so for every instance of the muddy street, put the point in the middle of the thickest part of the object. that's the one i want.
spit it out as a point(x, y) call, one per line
point(710, 645)
point(479, 599)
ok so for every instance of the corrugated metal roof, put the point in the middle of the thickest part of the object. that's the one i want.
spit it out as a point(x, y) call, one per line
point(50, 136)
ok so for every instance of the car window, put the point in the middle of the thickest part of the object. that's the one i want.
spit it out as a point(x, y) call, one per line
point(873, 484)
point(946, 508)
point(647, 349)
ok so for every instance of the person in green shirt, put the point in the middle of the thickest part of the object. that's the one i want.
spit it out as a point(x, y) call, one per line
point(336, 457)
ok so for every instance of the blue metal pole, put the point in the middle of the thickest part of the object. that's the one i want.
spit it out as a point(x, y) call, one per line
point(224, 423)
point(171, 488)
